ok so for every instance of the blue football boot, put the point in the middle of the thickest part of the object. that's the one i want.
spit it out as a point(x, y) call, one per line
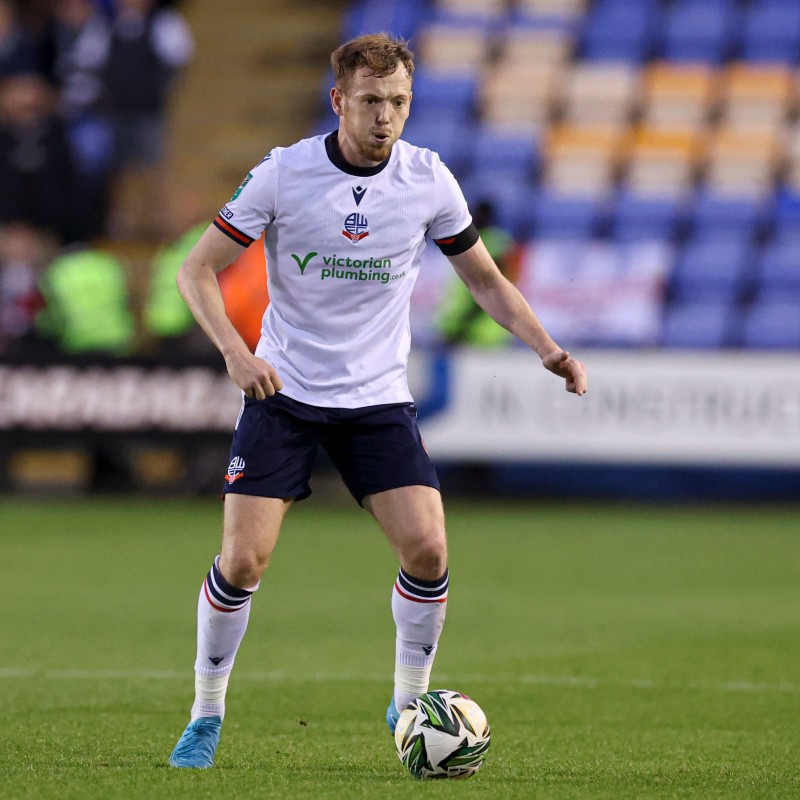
point(198, 744)
point(392, 715)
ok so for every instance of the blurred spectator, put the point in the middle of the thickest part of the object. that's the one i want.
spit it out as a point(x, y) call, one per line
point(17, 47)
point(24, 251)
point(461, 319)
point(144, 50)
point(86, 304)
point(38, 181)
point(75, 42)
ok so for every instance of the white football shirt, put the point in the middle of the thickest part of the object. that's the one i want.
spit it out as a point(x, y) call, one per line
point(343, 248)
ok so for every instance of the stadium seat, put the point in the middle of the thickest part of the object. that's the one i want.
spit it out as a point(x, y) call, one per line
point(513, 199)
point(700, 30)
point(562, 10)
point(698, 324)
point(642, 218)
point(717, 215)
point(771, 32)
point(451, 139)
point(619, 30)
point(517, 96)
point(447, 97)
point(529, 43)
point(484, 12)
point(743, 162)
point(772, 324)
point(502, 150)
point(711, 268)
point(661, 163)
point(452, 50)
point(600, 93)
point(679, 96)
point(401, 17)
point(779, 269)
point(580, 160)
point(757, 96)
point(559, 217)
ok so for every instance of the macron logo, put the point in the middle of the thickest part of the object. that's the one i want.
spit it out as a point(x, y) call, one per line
point(358, 194)
point(427, 648)
point(216, 660)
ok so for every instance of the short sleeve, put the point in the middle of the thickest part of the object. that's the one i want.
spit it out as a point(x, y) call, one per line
point(451, 214)
point(245, 216)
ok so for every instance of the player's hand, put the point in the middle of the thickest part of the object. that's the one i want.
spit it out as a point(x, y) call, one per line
point(562, 364)
point(254, 376)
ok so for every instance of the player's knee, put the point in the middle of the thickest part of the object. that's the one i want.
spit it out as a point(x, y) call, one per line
point(426, 558)
point(243, 568)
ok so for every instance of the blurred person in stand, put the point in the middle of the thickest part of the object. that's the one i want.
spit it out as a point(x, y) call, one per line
point(38, 181)
point(17, 45)
point(74, 41)
point(461, 320)
point(24, 252)
point(145, 48)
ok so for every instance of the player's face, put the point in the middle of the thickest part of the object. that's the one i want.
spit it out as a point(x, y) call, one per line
point(372, 113)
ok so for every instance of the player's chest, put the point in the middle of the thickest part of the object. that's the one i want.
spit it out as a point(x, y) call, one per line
point(357, 213)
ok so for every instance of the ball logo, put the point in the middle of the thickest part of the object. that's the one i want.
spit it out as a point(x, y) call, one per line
point(235, 469)
point(355, 227)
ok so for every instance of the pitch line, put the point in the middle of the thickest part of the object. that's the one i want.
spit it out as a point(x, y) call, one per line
point(280, 676)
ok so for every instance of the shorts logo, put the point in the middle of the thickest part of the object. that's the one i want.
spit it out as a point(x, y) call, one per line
point(355, 227)
point(235, 469)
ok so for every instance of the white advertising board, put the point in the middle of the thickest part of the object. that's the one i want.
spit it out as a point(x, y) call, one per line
point(692, 408)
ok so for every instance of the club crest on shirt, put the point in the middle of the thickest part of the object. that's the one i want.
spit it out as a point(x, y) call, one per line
point(355, 227)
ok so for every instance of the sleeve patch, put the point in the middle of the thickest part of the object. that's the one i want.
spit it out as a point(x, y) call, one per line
point(460, 243)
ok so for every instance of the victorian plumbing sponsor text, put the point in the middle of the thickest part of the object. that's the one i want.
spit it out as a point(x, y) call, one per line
point(350, 269)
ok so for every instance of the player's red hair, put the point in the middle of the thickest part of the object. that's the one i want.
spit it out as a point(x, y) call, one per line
point(380, 53)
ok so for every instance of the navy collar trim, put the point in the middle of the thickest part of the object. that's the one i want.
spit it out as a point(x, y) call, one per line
point(338, 160)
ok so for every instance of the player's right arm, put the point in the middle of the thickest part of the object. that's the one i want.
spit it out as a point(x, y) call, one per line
point(197, 283)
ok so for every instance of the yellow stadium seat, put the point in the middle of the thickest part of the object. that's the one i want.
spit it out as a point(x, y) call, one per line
point(662, 162)
point(600, 93)
point(757, 95)
point(453, 50)
point(581, 160)
point(678, 96)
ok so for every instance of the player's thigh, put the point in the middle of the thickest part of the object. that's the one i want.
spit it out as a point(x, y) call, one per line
point(412, 517)
point(251, 529)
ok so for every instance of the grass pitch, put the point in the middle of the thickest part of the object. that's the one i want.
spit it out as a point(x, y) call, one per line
point(618, 652)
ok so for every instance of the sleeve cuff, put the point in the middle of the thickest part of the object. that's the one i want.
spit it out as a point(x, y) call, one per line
point(460, 243)
point(232, 233)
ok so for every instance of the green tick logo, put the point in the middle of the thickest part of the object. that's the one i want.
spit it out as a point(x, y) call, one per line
point(304, 263)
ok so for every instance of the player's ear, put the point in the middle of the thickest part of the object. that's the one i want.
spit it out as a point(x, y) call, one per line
point(337, 101)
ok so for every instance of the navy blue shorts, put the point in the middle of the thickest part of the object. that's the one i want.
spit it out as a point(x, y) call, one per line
point(375, 448)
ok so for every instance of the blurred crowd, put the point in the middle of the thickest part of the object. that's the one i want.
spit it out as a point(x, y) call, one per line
point(84, 87)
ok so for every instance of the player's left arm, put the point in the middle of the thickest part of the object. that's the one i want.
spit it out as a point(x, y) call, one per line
point(504, 303)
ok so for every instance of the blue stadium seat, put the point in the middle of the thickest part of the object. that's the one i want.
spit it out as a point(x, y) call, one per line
point(714, 214)
point(700, 324)
point(772, 32)
point(452, 140)
point(700, 30)
point(513, 199)
point(713, 268)
point(444, 97)
point(772, 324)
point(786, 219)
point(620, 30)
point(638, 218)
point(779, 269)
point(505, 151)
point(559, 217)
point(400, 17)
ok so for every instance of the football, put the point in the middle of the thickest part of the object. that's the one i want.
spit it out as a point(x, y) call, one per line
point(442, 734)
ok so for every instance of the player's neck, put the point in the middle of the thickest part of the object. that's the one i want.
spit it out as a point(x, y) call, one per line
point(337, 157)
point(351, 155)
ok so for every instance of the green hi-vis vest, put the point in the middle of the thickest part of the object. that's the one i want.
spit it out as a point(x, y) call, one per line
point(165, 313)
point(87, 303)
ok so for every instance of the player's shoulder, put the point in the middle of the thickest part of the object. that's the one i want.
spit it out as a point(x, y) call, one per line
point(298, 154)
point(418, 158)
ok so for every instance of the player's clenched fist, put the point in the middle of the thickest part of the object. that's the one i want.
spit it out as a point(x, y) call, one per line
point(254, 376)
point(562, 364)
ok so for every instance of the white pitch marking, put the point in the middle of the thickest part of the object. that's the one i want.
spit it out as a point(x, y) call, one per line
point(280, 676)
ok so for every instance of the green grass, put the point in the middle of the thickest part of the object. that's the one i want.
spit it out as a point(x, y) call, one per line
point(618, 652)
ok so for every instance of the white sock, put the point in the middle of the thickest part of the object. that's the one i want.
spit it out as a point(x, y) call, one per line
point(419, 609)
point(223, 611)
